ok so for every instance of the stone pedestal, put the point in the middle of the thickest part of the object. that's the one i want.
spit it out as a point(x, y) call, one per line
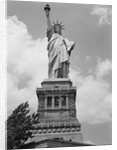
point(56, 108)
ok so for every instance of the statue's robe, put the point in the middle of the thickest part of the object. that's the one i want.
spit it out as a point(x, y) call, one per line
point(59, 50)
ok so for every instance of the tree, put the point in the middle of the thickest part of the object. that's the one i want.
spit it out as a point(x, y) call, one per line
point(20, 126)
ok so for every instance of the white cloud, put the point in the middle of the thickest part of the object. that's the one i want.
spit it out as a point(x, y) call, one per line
point(88, 57)
point(103, 68)
point(94, 94)
point(26, 58)
point(104, 14)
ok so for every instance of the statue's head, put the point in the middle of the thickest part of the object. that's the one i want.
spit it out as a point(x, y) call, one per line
point(58, 27)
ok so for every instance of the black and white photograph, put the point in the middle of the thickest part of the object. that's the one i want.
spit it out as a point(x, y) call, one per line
point(59, 74)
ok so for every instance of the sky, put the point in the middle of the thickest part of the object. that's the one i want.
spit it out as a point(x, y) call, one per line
point(90, 26)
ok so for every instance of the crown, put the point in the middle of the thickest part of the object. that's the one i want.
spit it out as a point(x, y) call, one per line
point(58, 24)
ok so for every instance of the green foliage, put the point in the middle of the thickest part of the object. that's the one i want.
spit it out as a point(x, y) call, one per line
point(20, 126)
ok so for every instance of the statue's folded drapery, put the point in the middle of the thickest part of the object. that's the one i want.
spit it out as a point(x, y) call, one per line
point(59, 50)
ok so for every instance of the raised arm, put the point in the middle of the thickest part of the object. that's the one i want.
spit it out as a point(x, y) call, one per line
point(49, 26)
point(50, 30)
point(47, 13)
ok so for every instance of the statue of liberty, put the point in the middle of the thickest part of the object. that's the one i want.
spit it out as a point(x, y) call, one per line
point(59, 48)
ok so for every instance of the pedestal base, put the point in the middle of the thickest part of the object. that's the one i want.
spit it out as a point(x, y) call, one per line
point(74, 136)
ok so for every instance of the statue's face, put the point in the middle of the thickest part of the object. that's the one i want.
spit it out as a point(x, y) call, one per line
point(57, 29)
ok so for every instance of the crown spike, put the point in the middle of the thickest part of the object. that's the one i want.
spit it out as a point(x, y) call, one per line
point(58, 24)
point(61, 22)
point(53, 22)
point(62, 26)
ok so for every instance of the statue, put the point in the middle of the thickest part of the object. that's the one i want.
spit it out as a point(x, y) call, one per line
point(59, 48)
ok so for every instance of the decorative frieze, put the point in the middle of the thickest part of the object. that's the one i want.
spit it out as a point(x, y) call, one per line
point(59, 90)
point(60, 127)
point(56, 130)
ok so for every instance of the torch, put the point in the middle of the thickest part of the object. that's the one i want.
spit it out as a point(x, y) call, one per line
point(47, 8)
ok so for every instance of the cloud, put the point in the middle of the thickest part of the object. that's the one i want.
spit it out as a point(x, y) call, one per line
point(94, 94)
point(104, 14)
point(88, 57)
point(27, 64)
point(27, 67)
point(103, 68)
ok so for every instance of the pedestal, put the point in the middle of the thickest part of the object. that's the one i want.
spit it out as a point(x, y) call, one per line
point(57, 112)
